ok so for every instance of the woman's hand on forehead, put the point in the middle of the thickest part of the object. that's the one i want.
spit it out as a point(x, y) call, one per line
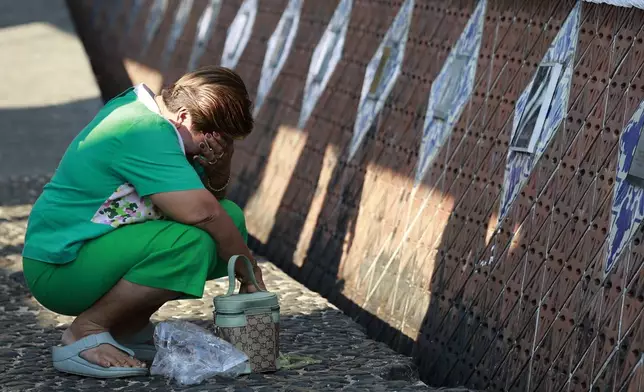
point(215, 149)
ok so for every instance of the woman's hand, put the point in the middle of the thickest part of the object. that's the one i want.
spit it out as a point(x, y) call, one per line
point(248, 287)
point(215, 158)
point(216, 153)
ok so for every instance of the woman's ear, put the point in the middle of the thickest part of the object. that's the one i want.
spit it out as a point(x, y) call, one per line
point(184, 118)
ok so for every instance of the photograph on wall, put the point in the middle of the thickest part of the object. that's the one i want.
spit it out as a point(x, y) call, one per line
point(635, 173)
point(536, 108)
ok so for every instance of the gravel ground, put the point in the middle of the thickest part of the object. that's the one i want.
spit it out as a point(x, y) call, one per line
point(310, 326)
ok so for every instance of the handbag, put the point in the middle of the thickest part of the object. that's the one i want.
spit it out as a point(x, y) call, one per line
point(249, 321)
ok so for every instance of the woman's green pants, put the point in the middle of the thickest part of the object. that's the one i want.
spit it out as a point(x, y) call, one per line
point(161, 254)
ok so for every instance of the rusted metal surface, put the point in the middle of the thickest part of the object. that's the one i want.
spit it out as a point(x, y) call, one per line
point(525, 306)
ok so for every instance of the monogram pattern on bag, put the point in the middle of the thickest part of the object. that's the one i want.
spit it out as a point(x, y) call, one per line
point(258, 339)
point(277, 340)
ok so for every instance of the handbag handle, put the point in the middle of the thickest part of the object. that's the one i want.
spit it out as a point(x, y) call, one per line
point(231, 274)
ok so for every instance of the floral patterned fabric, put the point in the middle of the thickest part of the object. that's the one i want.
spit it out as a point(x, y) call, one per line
point(125, 206)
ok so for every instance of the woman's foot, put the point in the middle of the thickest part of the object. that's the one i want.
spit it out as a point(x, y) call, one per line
point(125, 331)
point(104, 355)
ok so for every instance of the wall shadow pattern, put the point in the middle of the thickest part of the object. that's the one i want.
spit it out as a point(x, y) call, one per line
point(526, 306)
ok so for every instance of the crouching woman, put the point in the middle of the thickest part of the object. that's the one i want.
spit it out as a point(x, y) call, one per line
point(136, 215)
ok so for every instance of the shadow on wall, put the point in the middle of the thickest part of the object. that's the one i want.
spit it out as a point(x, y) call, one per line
point(515, 308)
point(35, 138)
point(105, 54)
point(332, 229)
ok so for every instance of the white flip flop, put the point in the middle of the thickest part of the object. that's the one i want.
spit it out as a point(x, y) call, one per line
point(67, 359)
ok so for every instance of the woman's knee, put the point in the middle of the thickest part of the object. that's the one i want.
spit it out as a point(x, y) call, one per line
point(236, 214)
point(48, 290)
point(196, 238)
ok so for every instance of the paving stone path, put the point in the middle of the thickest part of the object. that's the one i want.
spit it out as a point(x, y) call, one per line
point(310, 327)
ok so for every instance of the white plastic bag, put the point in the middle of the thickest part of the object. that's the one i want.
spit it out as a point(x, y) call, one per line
point(190, 354)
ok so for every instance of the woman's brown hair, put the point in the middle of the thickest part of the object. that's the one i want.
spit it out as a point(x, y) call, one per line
point(216, 99)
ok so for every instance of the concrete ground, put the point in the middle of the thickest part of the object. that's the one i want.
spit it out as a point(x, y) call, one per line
point(48, 94)
point(310, 326)
point(349, 361)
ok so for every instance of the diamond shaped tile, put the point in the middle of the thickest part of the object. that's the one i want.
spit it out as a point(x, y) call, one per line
point(204, 30)
point(179, 23)
point(627, 209)
point(381, 75)
point(155, 17)
point(279, 46)
point(561, 54)
point(326, 56)
point(239, 33)
point(451, 90)
point(132, 15)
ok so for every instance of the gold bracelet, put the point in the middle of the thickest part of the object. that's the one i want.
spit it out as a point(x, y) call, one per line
point(220, 189)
